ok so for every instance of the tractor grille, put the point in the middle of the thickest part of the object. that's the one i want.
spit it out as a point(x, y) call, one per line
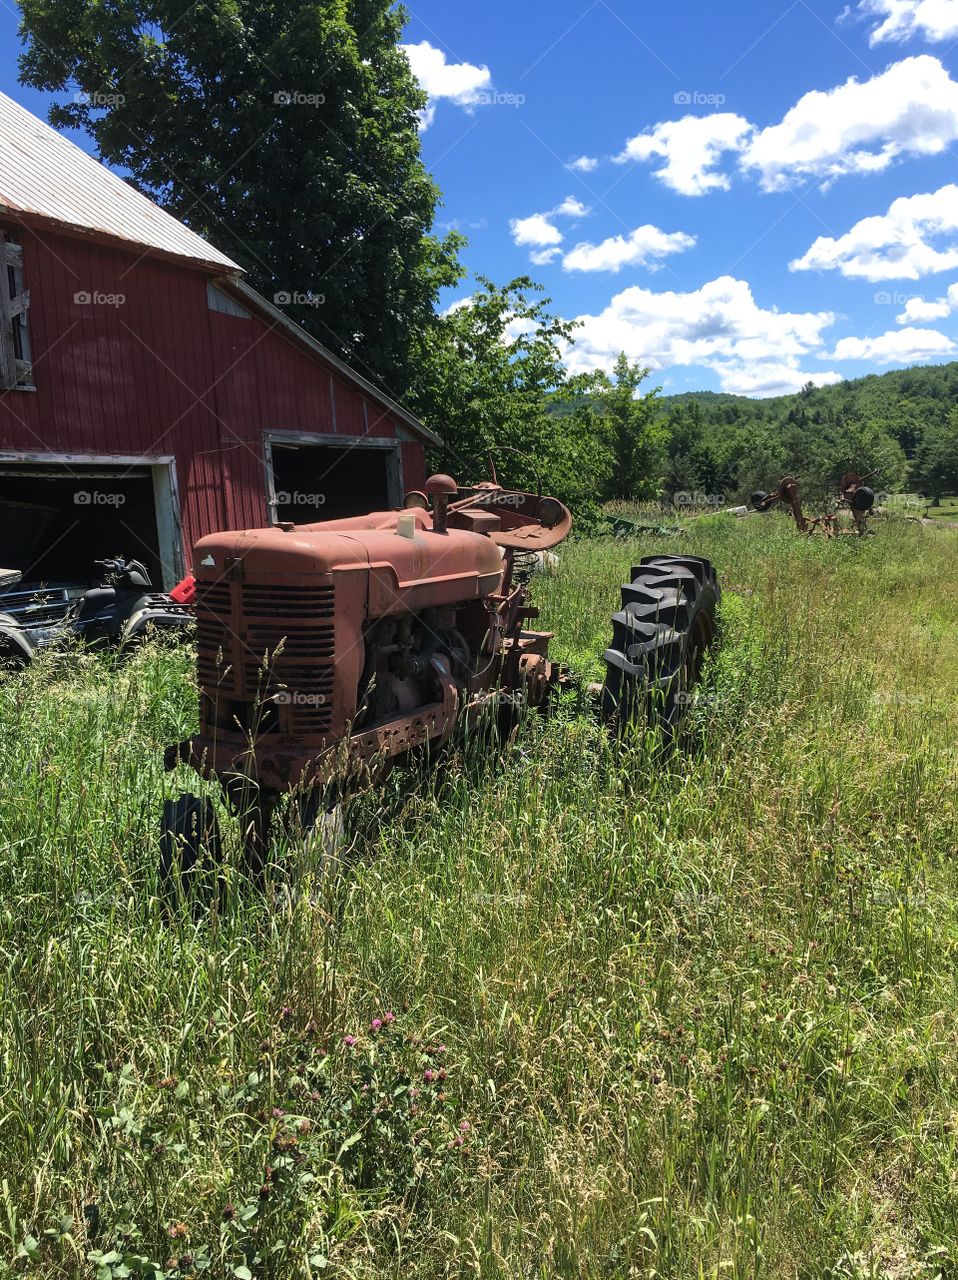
point(270, 645)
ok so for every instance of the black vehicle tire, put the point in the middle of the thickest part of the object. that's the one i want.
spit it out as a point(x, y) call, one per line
point(660, 637)
point(191, 852)
point(13, 657)
point(863, 499)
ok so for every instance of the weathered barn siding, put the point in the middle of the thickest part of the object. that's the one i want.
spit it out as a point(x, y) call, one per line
point(160, 373)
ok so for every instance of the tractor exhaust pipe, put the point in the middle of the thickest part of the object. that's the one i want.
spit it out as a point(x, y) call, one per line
point(440, 488)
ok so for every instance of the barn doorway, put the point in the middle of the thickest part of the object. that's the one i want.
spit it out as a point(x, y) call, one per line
point(311, 478)
point(58, 517)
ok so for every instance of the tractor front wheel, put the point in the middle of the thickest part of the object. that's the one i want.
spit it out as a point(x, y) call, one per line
point(660, 637)
point(191, 853)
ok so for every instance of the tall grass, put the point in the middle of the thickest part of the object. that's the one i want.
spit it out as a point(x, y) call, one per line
point(684, 1017)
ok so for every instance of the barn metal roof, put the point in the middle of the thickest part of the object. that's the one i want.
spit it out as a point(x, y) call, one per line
point(44, 175)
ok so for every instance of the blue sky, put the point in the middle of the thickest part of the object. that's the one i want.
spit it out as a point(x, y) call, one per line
point(743, 196)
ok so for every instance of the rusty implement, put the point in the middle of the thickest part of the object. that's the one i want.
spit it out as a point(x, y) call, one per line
point(854, 494)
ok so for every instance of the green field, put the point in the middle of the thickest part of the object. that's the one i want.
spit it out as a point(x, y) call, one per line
point(684, 1018)
point(946, 510)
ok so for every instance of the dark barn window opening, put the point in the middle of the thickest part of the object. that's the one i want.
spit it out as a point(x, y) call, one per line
point(313, 482)
point(56, 521)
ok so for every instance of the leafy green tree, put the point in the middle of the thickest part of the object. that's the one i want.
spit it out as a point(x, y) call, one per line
point(935, 470)
point(857, 445)
point(492, 382)
point(285, 132)
point(633, 431)
point(694, 464)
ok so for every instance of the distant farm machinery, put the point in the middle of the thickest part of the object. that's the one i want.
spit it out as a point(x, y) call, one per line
point(854, 494)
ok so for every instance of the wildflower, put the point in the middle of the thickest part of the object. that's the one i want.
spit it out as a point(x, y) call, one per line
point(376, 1024)
point(168, 1082)
point(278, 1113)
point(464, 1126)
point(349, 1041)
point(185, 1263)
point(441, 1073)
point(264, 1191)
point(286, 1011)
point(304, 1126)
point(229, 1211)
point(429, 1075)
point(389, 1016)
point(177, 1231)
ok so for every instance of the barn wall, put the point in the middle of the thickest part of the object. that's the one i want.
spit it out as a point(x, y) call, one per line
point(149, 370)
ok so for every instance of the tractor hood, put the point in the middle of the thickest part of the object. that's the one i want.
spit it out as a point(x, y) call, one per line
point(421, 570)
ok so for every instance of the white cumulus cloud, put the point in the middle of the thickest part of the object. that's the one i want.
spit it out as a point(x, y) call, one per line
point(902, 19)
point(539, 233)
point(535, 230)
point(637, 249)
point(720, 326)
point(920, 311)
point(916, 237)
point(691, 148)
point(897, 346)
point(767, 378)
point(910, 109)
point(458, 82)
point(584, 164)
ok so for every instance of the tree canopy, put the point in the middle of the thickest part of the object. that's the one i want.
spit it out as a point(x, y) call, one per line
point(286, 133)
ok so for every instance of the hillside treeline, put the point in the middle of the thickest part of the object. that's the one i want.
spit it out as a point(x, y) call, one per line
point(903, 425)
point(494, 381)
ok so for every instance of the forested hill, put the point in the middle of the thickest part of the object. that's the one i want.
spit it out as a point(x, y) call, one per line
point(902, 424)
point(904, 401)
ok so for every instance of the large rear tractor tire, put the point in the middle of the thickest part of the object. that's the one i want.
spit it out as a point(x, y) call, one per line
point(660, 638)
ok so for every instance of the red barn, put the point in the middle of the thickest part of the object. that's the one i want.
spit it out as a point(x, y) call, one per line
point(148, 395)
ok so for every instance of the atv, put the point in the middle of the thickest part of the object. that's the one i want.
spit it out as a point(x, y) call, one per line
point(115, 613)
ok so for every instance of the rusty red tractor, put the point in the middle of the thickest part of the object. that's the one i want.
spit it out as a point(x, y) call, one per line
point(328, 652)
